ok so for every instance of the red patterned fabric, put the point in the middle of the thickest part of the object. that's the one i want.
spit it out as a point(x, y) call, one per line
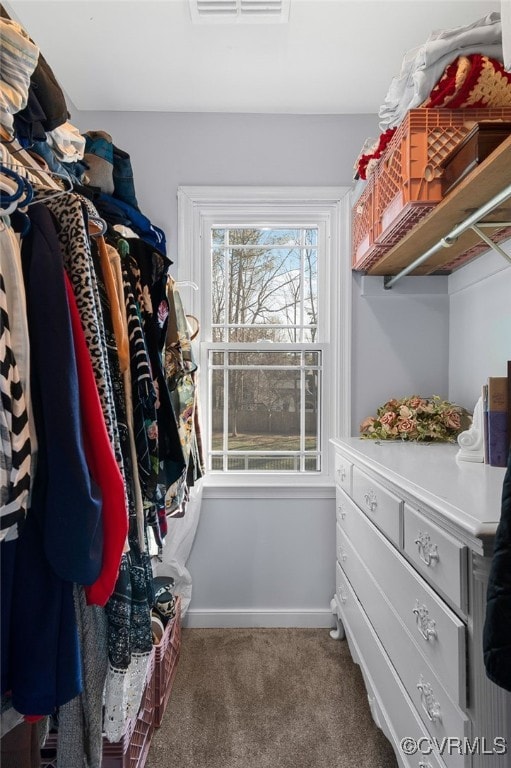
point(471, 82)
point(364, 162)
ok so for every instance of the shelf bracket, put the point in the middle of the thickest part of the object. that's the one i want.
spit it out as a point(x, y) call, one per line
point(469, 223)
point(495, 246)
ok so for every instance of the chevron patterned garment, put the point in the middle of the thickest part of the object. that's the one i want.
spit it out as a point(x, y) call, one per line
point(15, 454)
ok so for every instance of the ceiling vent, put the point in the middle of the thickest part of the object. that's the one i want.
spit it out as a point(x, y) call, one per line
point(239, 11)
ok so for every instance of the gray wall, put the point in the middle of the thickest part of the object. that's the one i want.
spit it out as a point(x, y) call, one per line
point(259, 562)
point(400, 343)
point(479, 325)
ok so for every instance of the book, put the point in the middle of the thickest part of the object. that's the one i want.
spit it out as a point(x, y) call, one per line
point(485, 422)
point(497, 421)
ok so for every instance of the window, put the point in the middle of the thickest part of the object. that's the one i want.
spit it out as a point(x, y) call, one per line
point(269, 349)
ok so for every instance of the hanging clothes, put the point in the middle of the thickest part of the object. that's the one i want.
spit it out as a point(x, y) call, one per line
point(497, 625)
point(92, 436)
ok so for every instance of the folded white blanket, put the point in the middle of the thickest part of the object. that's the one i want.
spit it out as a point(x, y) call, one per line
point(423, 66)
point(505, 10)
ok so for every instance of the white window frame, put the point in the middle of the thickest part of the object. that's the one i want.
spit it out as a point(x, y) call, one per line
point(200, 208)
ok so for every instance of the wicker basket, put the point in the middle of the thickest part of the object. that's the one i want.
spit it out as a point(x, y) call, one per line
point(406, 183)
point(165, 667)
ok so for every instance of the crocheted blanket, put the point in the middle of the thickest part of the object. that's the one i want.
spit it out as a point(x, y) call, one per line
point(471, 82)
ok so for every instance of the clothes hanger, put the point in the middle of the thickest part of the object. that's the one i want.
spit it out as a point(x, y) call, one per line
point(18, 198)
point(99, 226)
point(45, 193)
point(27, 166)
point(186, 283)
point(11, 184)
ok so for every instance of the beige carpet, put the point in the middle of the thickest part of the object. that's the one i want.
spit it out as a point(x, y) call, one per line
point(267, 698)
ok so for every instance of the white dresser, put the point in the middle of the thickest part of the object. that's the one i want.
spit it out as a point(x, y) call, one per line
point(414, 535)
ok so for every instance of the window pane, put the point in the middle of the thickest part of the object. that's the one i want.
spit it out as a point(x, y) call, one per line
point(217, 409)
point(265, 237)
point(265, 404)
point(311, 237)
point(217, 358)
point(312, 358)
point(313, 464)
point(218, 291)
point(311, 409)
point(274, 463)
point(259, 359)
point(310, 293)
point(264, 410)
point(254, 334)
point(273, 408)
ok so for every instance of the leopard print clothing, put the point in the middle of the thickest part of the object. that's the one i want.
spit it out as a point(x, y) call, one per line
point(74, 240)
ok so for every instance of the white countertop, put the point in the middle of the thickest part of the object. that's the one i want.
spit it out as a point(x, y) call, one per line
point(468, 494)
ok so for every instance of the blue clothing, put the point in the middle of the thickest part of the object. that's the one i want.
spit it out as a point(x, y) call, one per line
point(71, 501)
point(117, 211)
point(73, 171)
point(61, 541)
point(7, 559)
point(124, 185)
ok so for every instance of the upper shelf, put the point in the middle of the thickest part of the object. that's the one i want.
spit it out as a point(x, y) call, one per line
point(479, 186)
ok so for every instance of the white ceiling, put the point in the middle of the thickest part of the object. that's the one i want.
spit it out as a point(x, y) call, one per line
point(333, 57)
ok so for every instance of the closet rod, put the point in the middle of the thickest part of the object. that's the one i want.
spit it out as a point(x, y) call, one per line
point(453, 235)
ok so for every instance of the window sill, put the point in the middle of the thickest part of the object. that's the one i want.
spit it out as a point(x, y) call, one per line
point(248, 486)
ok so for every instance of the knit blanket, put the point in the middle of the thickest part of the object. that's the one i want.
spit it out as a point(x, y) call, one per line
point(470, 82)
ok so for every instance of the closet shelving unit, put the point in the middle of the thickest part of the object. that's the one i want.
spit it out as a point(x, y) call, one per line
point(488, 182)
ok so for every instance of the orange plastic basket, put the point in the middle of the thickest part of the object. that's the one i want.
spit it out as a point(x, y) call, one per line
point(408, 174)
point(406, 183)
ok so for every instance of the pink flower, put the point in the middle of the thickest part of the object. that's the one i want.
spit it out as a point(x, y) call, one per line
point(405, 412)
point(406, 425)
point(415, 402)
point(367, 424)
point(452, 419)
point(388, 418)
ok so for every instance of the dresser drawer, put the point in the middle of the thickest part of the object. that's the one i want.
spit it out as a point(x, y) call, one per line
point(396, 713)
point(379, 504)
point(440, 558)
point(343, 469)
point(438, 633)
point(345, 508)
point(440, 716)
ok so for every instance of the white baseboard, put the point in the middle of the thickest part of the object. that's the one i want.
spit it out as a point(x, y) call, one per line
point(257, 618)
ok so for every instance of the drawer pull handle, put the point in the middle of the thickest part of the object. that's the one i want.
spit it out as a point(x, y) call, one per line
point(341, 554)
point(341, 471)
point(371, 501)
point(343, 596)
point(425, 625)
point(342, 511)
point(425, 765)
point(430, 706)
point(428, 552)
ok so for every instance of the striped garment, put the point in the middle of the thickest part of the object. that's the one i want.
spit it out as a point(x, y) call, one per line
point(15, 454)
